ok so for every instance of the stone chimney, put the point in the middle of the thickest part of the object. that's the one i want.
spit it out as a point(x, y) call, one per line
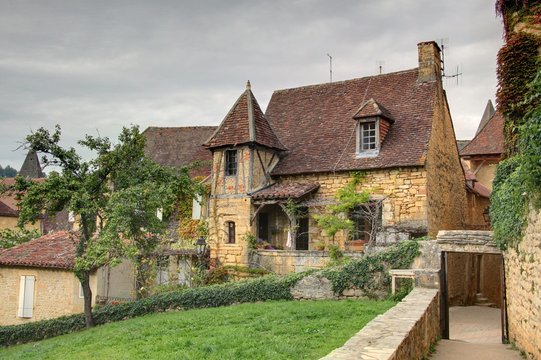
point(429, 62)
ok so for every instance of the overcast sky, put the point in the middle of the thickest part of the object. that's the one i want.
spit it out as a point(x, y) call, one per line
point(95, 66)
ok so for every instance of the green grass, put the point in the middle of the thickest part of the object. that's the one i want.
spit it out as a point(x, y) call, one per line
point(270, 330)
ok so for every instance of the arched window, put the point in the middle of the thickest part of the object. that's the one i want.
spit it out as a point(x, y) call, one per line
point(230, 232)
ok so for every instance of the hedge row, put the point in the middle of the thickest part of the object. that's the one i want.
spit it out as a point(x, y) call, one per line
point(260, 289)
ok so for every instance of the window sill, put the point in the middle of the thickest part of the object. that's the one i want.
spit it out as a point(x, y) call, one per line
point(367, 154)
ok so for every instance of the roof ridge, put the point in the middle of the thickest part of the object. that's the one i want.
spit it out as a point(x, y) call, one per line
point(347, 81)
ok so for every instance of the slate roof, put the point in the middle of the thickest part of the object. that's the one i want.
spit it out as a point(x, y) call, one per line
point(315, 123)
point(489, 141)
point(461, 144)
point(286, 191)
point(487, 115)
point(55, 250)
point(31, 167)
point(244, 124)
point(180, 146)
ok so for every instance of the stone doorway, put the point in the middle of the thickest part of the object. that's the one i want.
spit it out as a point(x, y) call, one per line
point(472, 287)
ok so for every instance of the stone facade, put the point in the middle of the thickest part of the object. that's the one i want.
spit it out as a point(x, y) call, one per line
point(445, 176)
point(523, 283)
point(10, 222)
point(56, 293)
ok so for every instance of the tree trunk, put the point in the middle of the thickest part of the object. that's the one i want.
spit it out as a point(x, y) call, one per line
point(87, 294)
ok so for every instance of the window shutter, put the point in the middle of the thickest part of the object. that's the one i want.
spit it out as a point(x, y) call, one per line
point(196, 207)
point(26, 296)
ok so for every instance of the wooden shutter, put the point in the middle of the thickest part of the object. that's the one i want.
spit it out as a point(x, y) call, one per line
point(26, 296)
point(196, 207)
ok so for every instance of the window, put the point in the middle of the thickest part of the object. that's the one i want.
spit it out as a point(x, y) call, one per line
point(230, 162)
point(366, 218)
point(368, 138)
point(230, 232)
point(26, 296)
point(81, 293)
point(162, 270)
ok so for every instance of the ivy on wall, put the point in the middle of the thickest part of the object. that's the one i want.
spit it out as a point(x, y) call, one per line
point(518, 178)
point(518, 62)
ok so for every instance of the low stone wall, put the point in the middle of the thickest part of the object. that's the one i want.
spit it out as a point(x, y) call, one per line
point(523, 282)
point(286, 262)
point(404, 332)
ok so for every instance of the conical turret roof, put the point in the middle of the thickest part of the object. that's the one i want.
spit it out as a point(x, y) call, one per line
point(244, 124)
point(31, 168)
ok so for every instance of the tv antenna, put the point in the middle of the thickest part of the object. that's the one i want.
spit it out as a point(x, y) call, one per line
point(444, 45)
point(380, 64)
point(330, 66)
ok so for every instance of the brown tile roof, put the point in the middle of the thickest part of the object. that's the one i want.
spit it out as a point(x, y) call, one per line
point(245, 123)
point(371, 108)
point(8, 202)
point(316, 123)
point(180, 146)
point(286, 191)
point(55, 250)
point(472, 184)
point(489, 141)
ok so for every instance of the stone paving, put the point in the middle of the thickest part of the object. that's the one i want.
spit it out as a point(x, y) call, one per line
point(475, 333)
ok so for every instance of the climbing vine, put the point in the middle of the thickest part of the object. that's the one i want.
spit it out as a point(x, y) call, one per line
point(518, 178)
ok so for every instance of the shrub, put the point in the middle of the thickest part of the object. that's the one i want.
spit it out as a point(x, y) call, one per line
point(370, 273)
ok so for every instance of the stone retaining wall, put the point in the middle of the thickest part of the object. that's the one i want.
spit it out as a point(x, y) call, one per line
point(286, 262)
point(404, 332)
point(523, 281)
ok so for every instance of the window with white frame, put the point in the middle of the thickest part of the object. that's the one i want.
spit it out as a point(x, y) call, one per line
point(196, 207)
point(26, 296)
point(367, 138)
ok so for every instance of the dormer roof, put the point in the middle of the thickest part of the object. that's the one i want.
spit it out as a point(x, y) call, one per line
point(372, 108)
point(245, 123)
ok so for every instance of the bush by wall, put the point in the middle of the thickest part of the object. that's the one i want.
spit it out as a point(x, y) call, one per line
point(260, 289)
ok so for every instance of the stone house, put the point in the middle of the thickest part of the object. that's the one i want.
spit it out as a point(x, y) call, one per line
point(37, 280)
point(395, 128)
point(479, 160)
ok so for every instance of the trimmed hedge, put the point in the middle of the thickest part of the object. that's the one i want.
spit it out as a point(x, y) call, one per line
point(253, 290)
point(368, 273)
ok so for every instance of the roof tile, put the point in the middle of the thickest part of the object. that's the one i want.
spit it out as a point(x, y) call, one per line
point(54, 250)
point(489, 140)
point(286, 191)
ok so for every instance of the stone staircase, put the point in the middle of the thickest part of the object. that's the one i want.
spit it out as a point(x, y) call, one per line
point(482, 300)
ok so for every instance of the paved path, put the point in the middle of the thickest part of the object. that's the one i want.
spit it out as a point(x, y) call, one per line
point(475, 334)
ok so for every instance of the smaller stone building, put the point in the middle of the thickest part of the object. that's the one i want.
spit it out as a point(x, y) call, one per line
point(37, 281)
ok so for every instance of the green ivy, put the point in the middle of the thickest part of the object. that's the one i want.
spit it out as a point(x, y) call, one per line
point(518, 178)
point(370, 273)
point(13, 237)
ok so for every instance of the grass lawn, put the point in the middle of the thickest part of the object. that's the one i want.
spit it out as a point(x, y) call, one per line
point(270, 330)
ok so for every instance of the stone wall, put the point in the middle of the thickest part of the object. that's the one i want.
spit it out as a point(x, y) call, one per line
point(285, 262)
point(404, 206)
point(404, 332)
point(523, 283)
point(445, 180)
point(56, 293)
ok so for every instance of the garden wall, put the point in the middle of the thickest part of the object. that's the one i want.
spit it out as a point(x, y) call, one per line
point(523, 283)
point(285, 262)
point(404, 332)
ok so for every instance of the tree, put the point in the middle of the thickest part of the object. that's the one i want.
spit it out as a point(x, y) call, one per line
point(114, 196)
point(8, 171)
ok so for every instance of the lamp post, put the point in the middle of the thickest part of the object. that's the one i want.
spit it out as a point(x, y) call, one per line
point(201, 248)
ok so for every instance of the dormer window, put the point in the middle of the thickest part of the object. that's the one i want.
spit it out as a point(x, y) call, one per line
point(373, 124)
point(367, 138)
point(230, 162)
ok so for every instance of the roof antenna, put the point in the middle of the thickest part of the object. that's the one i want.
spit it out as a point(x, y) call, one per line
point(380, 64)
point(330, 66)
point(444, 44)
